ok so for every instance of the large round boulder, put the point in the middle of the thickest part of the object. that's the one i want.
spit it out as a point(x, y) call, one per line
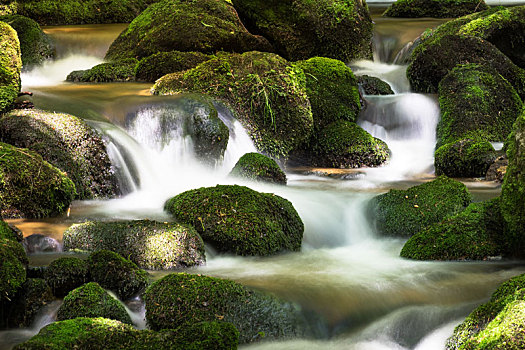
point(65, 274)
point(258, 167)
point(434, 8)
point(10, 66)
point(236, 219)
point(300, 29)
point(157, 65)
point(202, 298)
point(13, 262)
point(266, 93)
point(91, 300)
point(68, 143)
point(31, 187)
point(464, 158)
point(404, 213)
point(205, 26)
point(149, 244)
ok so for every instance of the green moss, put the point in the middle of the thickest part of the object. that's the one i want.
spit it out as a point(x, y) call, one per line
point(7, 232)
point(101, 333)
point(31, 187)
point(12, 268)
point(302, 29)
point(476, 233)
point(374, 86)
point(157, 65)
point(434, 8)
point(90, 300)
point(406, 212)
point(10, 65)
point(34, 44)
point(258, 167)
point(344, 144)
point(332, 90)
point(266, 93)
point(120, 275)
point(149, 244)
point(476, 102)
point(183, 298)
point(239, 220)
point(114, 71)
point(65, 274)
point(205, 26)
point(60, 12)
point(66, 142)
point(464, 158)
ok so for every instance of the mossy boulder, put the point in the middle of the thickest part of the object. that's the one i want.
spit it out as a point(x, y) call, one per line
point(13, 262)
point(65, 274)
point(406, 212)
point(10, 66)
point(68, 143)
point(35, 45)
point(430, 65)
point(113, 272)
point(205, 26)
point(236, 219)
point(344, 144)
point(102, 333)
point(374, 86)
point(258, 167)
point(267, 94)
point(61, 12)
point(477, 233)
point(149, 244)
point(6, 231)
point(434, 8)
point(157, 65)
point(513, 188)
point(91, 300)
point(301, 29)
point(183, 298)
point(478, 330)
point(464, 158)
point(31, 187)
point(476, 103)
point(114, 71)
point(332, 90)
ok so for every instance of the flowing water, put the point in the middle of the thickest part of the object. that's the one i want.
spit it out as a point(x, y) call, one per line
point(363, 294)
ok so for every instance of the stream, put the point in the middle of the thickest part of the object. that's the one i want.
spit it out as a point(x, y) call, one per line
point(363, 294)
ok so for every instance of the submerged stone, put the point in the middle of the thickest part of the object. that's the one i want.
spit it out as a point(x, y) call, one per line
point(38, 243)
point(434, 8)
point(258, 167)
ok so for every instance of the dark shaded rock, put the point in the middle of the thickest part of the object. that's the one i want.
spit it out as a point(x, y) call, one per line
point(374, 86)
point(497, 169)
point(65, 274)
point(38, 243)
point(434, 8)
point(13, 262)
point(157, 65)
point(464, 158)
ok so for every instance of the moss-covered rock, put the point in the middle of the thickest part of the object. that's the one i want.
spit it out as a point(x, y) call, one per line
point(300, 29)
point(478, 331)
point(344, 144)
point(267, 94)
point(35, 45)
point(118, 70)
point(332, 90)
point(258, 167)
point(91, 300)
point(434, 8)
point(429, 66)
point(406, 212)
point(205, 26)
point(68, 143)
point(61, 12)
point(464, 158)
point(149, 244)
point(113, 272)
point(184, 298)
point(9, 232)
point(374, 86)
point(513, 189)
point(102, 333)
point(10, 66)
point(31, 187)
point(239, 220)
point(65, 274)
point(157, 65)
point(476, 103)
point(477, 233)
point(13, 261)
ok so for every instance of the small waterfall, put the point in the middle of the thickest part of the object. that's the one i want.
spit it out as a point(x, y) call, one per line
point(395, 75)
point(383, 47)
